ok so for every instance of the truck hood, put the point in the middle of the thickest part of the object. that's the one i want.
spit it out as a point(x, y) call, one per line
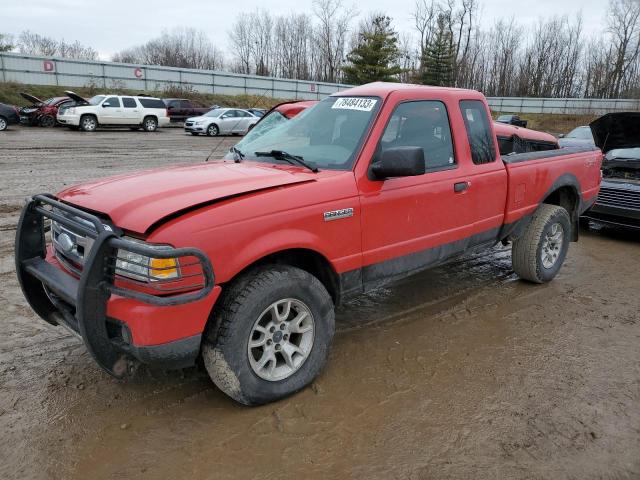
point(616, 130)
point(141, 200)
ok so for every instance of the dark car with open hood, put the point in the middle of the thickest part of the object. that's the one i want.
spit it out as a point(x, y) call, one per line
point(618, 203)
point(42, 112)
point(8, 116)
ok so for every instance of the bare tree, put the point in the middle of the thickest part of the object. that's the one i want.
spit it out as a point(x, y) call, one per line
point(331, 36)
point(181, 47)
point(35, 44)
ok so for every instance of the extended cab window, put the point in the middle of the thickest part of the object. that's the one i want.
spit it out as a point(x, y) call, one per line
point(129, 102)
point(114, 102)
point(423, 124)
point(479, 133)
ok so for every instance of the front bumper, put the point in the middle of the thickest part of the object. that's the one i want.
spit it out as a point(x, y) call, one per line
point(69, 119)
point(195, 128)
point(92, 304)
point(618, 204)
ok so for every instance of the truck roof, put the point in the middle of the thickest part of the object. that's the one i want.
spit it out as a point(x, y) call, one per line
point(384, 89)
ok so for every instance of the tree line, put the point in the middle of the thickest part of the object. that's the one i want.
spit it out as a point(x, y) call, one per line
point(447, 46)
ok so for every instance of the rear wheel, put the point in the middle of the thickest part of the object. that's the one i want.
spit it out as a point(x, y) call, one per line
point(213, 130)
point(270, 336)
point(150, 124)
point(88, 123)
point(3, 124)
point(47, 121)
point(539, 253)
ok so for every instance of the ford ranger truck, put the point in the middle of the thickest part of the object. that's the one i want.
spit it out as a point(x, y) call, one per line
point(242, 261)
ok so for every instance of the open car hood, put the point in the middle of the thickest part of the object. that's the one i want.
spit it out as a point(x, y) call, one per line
point(30, 98)
point(75, 97)
point(616, 130)
point(139, 201)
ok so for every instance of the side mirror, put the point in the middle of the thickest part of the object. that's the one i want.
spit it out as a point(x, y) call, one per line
point(171, 107)
point(561, 135)
point(106, 104)
point(399, 162)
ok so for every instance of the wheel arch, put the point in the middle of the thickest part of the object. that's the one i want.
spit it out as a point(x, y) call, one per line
point(566, 194)
point(305, 259)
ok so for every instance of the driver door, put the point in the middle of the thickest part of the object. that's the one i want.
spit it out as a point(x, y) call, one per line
point(410, 223)
point(111, 112)
point(228, 122)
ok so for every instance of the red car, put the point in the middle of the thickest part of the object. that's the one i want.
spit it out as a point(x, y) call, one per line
point(42, 112)
point(242, 261)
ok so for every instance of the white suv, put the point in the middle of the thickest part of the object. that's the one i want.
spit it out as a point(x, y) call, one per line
point(114, 111)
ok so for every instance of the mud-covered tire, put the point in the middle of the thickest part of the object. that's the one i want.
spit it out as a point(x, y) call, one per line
point(88, 123)
point(225, 348)
point(528, 254)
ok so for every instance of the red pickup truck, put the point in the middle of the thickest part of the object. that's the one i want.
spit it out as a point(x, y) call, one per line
point(242, 261)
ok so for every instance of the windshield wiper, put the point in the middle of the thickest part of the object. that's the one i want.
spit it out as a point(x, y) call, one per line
point(237, 154)
point(292, 159)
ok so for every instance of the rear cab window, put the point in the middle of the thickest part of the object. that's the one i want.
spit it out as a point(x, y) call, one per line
point(479, 132)
point(424, 124)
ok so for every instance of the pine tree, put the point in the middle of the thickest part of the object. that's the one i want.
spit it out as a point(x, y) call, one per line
point(437, 62)
point(375, 56)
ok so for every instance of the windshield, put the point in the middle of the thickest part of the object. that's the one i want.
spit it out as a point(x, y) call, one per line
point(504, 118)
point(632, 153)
point(96, 100)
point(327, 135)
point(583, 133)
point(267, 123)
point(214, 113)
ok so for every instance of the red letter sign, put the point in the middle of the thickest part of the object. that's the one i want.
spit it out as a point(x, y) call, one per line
point(138, 72)
point(48, 66)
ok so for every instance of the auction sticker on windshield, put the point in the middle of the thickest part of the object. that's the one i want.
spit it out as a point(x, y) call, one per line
point(355, 103)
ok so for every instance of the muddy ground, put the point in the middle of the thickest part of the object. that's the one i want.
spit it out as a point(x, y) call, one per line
point(460, 372)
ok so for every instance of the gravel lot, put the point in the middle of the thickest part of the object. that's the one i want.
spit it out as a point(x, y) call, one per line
point(461, 372)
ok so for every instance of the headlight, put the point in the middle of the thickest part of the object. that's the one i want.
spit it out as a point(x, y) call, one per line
point(68, 110)
point(200, 122)
point(146, 269)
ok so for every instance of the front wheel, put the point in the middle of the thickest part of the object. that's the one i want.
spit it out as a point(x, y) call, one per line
point(539, 253)
point(270, 336)
point(88, 123)
point(150, 124)
point(47, 121)
point(213, 130)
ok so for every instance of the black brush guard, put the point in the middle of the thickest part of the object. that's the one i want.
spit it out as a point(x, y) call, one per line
point(81, 304)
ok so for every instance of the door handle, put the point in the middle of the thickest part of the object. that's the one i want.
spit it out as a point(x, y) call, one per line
point(460, 186)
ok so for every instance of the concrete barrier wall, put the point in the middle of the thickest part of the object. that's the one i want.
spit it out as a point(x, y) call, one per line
point(37, 70)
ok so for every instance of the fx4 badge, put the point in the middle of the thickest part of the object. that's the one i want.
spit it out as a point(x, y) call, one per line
point(337, 214)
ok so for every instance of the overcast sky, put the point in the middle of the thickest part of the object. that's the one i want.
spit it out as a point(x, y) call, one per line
point(117, 24)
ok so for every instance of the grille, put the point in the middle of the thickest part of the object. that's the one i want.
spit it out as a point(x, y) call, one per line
point(71, 247)
point(189, 124)
point(622, 198)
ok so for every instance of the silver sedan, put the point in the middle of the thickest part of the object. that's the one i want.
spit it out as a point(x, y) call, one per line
point(221, 121)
